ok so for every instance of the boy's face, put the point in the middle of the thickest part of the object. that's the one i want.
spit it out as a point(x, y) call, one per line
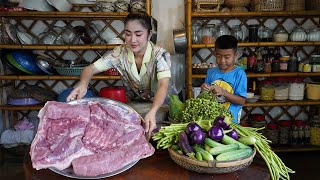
point(225, 59)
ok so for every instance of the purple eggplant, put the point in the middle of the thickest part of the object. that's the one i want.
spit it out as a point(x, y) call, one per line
point(234, 134)
point(219, 122)
point(197, 137)
point(216, 133)
point(192, 127)
point(185, 145)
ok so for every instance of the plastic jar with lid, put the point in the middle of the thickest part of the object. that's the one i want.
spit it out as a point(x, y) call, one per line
point(281, 89)
point(258, 120)
point(272, 133)
point(296, 89)
point(284, 131)
point(283, 63)
point(275, 66)
point(267, 90)
point(315, 132)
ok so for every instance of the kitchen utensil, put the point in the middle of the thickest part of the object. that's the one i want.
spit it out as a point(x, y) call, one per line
point(180, 40)
point(61, 5)
point(27, 61)
point(38, 5)
point(13, 62)
point(12, 32)
point(45, 66)
point(25, 38)
point(115, 93)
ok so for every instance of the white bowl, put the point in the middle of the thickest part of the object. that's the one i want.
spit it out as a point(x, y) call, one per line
point(25, 38)
point(38, 5)
point(115, 41)
point(255, 98)
point(61, 5)
point(250, 94)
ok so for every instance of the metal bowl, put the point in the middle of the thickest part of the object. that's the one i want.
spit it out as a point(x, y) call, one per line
point(180, 40)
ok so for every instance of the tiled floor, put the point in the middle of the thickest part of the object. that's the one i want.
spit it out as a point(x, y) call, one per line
point(306, 165)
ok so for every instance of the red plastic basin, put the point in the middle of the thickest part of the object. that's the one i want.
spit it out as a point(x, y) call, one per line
point(115, 93)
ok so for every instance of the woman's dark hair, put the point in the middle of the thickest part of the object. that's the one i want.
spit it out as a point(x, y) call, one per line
point(142, 17)
point(226, 42)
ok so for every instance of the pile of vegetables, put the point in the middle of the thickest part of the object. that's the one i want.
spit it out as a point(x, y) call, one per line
point(216, 123)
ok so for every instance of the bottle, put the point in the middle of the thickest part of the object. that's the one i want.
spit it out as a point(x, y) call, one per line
point(293, 61)
point(277, 53)
point(260, 62)
point(307, 134)
point(252, 61)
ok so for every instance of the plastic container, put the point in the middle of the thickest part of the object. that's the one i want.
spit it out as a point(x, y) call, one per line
point(258, 120)
point(281, 90)
point(275, 66)
point(313, 91)
point(280, 35)
point(267, 90)
point(296, 89)
point(283, 63)
point(315, 132)
point(272, 133)
point(284, 131)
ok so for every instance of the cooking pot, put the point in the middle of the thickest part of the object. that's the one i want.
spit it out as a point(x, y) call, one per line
point(115, 93)
point(180, 40)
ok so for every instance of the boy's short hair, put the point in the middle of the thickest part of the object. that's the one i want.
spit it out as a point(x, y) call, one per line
point(227, 42)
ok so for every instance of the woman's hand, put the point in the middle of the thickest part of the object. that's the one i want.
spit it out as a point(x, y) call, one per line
point(150, 123)
point(77, 93)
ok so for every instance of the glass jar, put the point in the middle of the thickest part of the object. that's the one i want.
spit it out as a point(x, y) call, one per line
point(267, 91)
point(137, 5)
point(208, 34)
point(275, 65)
point(272, 133)
point(222, 29)
point(298, 34)
point(257, 120)
point(253, 33)
point(281, 89)
point(315, 132)
point(266, 35)
point(314, 34)
point(237, 32)
point(296, 89)
point(284, 63)
point(280, 35)
point(284, 131)
point(196, 33)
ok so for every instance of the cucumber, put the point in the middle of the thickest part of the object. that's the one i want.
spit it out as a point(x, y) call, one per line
point(222, 149)
point(199, 156)
point(234, 155)
point(205, 154)
point(229, 140)
point(212, 143)
point(206, 147)
point(247, 140)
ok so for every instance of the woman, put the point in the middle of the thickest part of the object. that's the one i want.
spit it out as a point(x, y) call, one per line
point(143, 66)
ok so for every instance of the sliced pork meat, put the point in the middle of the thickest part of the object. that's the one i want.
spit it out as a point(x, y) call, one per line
point(109, 161)
point(94, 138)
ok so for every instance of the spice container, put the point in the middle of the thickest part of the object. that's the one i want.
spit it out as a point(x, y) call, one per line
point(296, 89)
point(208, 34)
point(280, 35)
point(281, 90)
point(284, 131)
point(272, 133)
point(315, 132)
point(284, 63)
point(267, 90)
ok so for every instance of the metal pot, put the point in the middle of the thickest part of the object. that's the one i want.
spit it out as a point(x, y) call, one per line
point(180, 40)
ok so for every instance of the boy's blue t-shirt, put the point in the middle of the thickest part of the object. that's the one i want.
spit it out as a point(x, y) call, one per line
point(234, 81)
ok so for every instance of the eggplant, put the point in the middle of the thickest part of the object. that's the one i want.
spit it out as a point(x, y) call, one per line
point(185, 145)
point(197, 137)
point(234, 134)
point(192, 127)
point(219, 122)
point(216, 133)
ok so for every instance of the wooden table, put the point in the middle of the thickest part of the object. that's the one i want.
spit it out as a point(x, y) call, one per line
point(159, 166)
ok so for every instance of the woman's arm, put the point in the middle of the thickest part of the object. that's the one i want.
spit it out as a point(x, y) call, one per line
point(160, 96)
point(81, 89)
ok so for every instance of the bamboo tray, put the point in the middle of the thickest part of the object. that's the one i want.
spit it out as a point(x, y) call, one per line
point(210, 167)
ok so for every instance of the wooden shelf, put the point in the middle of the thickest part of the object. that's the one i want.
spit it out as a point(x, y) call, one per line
point(274, 74)
point(34, 77)
point(21, 108)
point(282, 103)
point(262, 44)
point(305, 148)
point(254, 14)
point(58, 47)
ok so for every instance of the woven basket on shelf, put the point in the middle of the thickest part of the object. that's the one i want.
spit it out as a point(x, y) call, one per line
point(210, 167)
point(207, 5)
point(69, 71)
point(237, 5)
point(268, 5)
point(312, 4)
point(295, 5)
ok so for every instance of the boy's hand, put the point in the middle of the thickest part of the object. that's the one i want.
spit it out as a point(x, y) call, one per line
point(206, 87)
point(218, 91)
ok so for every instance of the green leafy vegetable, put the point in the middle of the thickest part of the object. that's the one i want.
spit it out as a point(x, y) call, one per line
point(175, 107)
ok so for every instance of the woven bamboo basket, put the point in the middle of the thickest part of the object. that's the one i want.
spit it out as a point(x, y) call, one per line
point(237, 5)
point(312, 4)
point(207, 5)
point(295, 5)
point(210, 167)
point(268, 5)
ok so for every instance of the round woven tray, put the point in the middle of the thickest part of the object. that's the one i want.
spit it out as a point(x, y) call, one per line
point(210, 167)
point(20, 93)
point(40, 93)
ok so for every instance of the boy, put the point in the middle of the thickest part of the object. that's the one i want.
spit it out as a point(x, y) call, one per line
point(226, 81)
